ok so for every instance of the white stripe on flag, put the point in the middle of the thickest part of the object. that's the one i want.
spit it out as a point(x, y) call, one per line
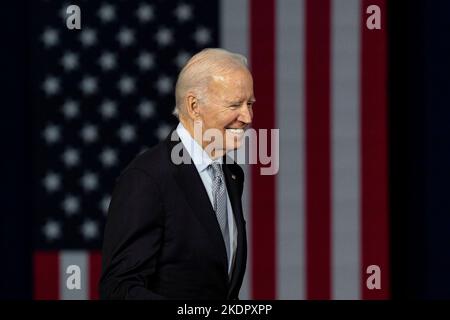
point(234, 28)
point(80, 259)
point(234, 36)
point(345, 153)
point(290, 246)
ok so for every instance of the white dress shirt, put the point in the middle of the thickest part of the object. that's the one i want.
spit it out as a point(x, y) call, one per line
point(202, 160)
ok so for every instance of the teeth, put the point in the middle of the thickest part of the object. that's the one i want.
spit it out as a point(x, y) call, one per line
point(236, 131)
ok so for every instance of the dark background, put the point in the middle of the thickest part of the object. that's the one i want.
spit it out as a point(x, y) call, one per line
point(419, 150)
point(419, 110)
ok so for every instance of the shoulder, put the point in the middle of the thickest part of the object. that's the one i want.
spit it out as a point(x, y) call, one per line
point(152, 162)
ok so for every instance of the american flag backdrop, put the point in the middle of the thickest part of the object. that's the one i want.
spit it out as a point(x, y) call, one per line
point(102, 94)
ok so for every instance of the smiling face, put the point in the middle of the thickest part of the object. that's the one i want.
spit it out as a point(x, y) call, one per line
point(228, 107)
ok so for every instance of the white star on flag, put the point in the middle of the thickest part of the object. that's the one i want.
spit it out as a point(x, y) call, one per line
point(163, 131)
point(71, 157)
point(146, 109)
point(182, 58)
point(145, 61)
point(52, 230)
point(71, 205)
point(89, 229)
point(127, 133)
point(107, 61)
point(88, 85)
point(183, 12)
point(107, 13)
point(89, 133)
point(126, 85)
point(50, 37)
point(108, 109)
point(70, 61)
point(52, 182)
point(202, 36)
point(51, 133)
point(89, 181)
point(108, 157)
point(145, 13)
point(164, 85)
point(164, 37)
point(51, 86)
point(70, 109)
point(126, 37)
point(88, 37)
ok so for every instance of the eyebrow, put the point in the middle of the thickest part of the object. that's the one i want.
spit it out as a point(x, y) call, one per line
point(252, 100)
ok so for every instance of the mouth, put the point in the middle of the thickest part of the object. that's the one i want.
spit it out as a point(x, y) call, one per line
point(237, 131)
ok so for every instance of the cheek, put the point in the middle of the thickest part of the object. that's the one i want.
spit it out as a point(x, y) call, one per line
point(209, 120)
point(221, 120)
point(230, 118)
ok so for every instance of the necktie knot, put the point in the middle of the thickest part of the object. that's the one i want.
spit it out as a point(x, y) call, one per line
point(216, 170)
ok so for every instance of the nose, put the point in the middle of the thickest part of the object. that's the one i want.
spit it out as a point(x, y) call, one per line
point(246, 114)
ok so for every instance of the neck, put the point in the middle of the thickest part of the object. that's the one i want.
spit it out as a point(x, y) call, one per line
point(196, 133)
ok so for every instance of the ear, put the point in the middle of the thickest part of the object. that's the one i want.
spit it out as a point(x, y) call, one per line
point(192, 106)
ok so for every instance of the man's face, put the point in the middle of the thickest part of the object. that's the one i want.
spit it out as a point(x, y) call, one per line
point(228, 107)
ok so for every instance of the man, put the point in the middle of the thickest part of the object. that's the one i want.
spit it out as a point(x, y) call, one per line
point(176, 231)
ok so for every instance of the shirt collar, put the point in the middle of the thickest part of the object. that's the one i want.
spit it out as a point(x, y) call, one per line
point(199, 156)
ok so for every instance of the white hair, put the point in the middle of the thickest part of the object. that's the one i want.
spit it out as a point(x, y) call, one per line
point(200, 69)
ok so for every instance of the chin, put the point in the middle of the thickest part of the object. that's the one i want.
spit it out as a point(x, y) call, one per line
point(233, 146)
point(233, 141)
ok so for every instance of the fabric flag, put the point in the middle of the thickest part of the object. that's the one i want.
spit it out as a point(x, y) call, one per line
point(102, 94)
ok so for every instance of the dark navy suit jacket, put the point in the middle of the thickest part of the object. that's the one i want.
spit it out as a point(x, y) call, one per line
point(162, 239)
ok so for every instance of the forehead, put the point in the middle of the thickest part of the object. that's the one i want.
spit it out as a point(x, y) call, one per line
point(236, 84)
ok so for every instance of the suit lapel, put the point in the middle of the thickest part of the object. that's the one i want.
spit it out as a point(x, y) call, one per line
point(234, 186)
point(189, 181)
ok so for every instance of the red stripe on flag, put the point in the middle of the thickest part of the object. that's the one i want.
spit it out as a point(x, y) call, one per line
point(46, 275)
point(318, 164)
point(374, 202)
point(262, 53)
point(95, 269)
